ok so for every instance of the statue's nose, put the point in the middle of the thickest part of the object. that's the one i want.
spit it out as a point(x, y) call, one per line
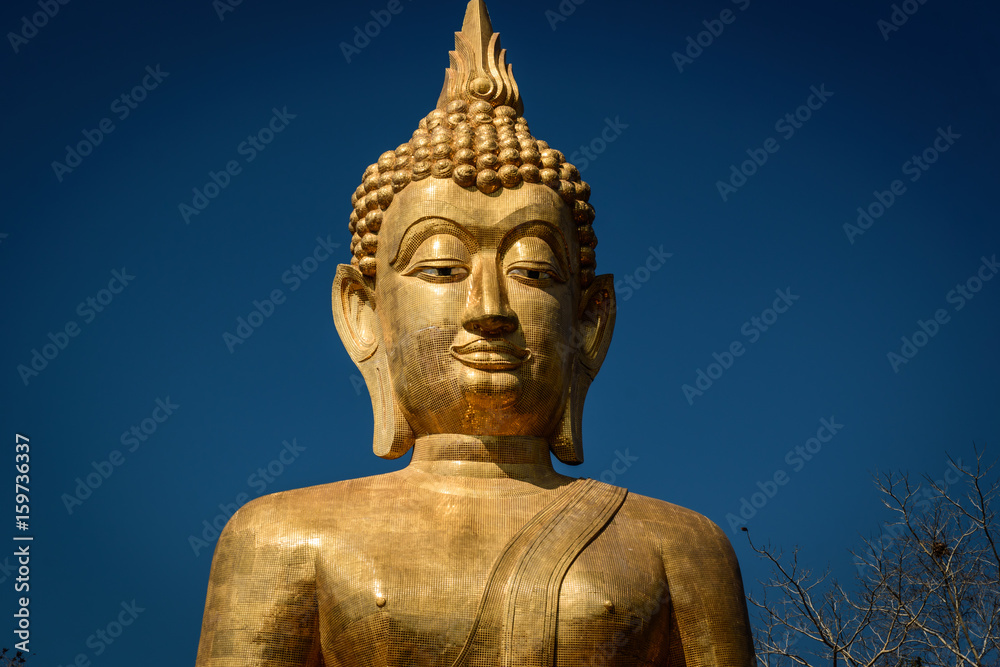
point(487, 312)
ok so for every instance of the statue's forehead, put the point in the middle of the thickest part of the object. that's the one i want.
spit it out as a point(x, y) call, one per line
point(493, 214)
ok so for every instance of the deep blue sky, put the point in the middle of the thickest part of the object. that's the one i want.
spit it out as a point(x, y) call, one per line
point(654, 185)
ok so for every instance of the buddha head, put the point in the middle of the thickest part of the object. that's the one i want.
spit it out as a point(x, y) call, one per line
point(471, 305)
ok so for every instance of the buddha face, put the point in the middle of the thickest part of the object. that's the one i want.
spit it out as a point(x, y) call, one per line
point(476, 297)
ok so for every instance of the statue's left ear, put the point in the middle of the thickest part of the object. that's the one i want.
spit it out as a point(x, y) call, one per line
point(595, 324)
point(596, 321)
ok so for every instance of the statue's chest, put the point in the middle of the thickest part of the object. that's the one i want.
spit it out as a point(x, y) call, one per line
point(408, 593)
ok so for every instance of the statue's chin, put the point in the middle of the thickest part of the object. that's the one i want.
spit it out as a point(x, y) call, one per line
point(490, 390)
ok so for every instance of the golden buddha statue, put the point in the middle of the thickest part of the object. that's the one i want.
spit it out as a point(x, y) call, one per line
point(473, 311)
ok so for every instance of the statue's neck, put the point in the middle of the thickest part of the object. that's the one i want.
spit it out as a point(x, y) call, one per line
point(512, 457)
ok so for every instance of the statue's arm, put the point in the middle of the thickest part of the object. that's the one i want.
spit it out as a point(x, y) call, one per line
point(711, 626)
point(261, 606)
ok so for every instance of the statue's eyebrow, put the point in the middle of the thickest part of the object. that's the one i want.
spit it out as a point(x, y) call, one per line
point(423, 228)
point(545, 230)
point(544, 218)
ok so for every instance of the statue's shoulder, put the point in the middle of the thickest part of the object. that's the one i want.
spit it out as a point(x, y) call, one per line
point(703, 579)
point(678, 529)
point(297, 515)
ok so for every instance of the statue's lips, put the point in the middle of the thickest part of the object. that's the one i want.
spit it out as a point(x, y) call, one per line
point(491, 355)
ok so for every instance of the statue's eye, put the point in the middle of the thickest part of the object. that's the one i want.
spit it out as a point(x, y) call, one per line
point(440, 274)
point(534, 275)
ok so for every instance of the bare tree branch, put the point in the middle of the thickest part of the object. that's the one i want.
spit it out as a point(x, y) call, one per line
point(927, 592)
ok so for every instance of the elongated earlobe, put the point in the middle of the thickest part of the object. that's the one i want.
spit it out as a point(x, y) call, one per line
point(357, 324)
point(393, 436)
point(595, 324)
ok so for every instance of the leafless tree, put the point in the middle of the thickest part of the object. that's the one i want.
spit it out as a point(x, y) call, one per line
point(16, 660)
point(927, 591)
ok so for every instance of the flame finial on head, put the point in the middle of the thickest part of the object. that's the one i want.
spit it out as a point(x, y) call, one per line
point(478, 65)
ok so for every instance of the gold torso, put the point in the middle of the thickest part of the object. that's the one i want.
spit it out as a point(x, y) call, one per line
point(388, 571)
point(428, 566)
